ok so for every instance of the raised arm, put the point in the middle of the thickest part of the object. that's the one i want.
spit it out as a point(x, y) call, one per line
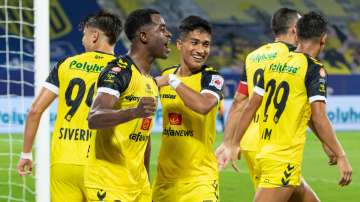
point(103, 114)
point(203, 102)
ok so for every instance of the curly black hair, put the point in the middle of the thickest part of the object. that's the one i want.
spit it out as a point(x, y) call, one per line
point(136, 20)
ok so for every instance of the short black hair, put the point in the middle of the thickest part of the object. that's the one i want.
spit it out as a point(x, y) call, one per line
point(192, 23)
point(136, 20)
point(311, 25)
point(282, 20)
point(107, 22)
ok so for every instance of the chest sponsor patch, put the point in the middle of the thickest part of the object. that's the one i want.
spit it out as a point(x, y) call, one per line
point(175, 119)
point(145, 125)
point(217, 81)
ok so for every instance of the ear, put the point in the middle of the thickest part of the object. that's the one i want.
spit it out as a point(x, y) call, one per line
point(95, 36)
point(143, 37)
point(323, 39)
point(179, 44)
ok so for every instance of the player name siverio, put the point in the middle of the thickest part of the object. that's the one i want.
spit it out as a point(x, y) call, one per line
point(75, 134)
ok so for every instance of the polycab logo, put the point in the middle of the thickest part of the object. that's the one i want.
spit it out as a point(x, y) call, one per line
point(175, 119)
point(146, 122)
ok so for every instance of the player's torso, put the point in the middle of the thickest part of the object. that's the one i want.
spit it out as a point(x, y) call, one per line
point(121, 149)
point(77, 86)
point(255, 63)
point(285, 110)
point(187, 140)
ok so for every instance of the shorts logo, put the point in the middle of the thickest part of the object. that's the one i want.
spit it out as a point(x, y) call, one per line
point(287, 173)
point(175, 119)
point(145, 125)
point(101, 194)
point(217, 81)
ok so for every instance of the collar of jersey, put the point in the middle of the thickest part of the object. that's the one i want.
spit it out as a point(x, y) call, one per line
point(200, 70)
point(104, 53)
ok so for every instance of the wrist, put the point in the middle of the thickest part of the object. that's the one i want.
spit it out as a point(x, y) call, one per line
point(26, 155)
point(174, 82)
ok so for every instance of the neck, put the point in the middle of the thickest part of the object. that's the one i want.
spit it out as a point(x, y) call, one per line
point(286, 38)
point(184, 70)
point(105, 48)
point(141, 57)
point(309, 48)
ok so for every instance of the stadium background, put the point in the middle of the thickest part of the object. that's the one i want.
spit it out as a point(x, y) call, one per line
point(239, 27)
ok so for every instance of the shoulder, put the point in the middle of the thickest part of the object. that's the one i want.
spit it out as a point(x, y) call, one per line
point(169, 70)
point(206, 69)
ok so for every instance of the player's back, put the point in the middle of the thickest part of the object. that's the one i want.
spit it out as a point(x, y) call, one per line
point(255, 63)
point(186, 153)
point(290, 84)
point(75, 81)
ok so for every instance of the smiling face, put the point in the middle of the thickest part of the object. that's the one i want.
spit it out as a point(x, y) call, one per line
point(194, 47)
point(158, 37)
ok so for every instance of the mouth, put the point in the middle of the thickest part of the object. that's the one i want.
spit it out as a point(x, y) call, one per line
point(198, 58)
point(166, 45)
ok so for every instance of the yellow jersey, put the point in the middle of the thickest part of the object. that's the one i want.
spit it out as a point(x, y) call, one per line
point(74, 81)
point(288, 87)
point(186, 152)
point(117, 160)
point(254, 66)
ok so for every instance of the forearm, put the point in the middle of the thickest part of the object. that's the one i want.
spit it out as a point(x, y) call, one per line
point(233, 117)
point(242, 126)
point(106, 118)
point(31, 126)
point(327, 135)
point(194, 100)
point(246, 118)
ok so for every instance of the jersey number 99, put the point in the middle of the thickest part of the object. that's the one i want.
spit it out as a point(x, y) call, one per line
point(75, 103)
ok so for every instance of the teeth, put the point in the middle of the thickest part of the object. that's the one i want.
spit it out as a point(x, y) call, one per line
point(197, 57)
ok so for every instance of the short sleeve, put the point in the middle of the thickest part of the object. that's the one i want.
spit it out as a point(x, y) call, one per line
point(316, 82)
point(52, 81)
point(259, 86)
point(242, 86)
point(114, 79)
point(212, 82)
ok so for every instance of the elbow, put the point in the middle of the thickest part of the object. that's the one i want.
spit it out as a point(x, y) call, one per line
point(200, 108)
point(35, 112)
point(91, 121)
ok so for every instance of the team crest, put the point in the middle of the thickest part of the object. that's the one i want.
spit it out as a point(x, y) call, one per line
point(322, 72)
point(116, 69)
point(175, 119)
point(217, 81)
point(145, 125)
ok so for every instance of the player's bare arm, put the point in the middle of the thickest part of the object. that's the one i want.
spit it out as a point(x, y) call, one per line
point(201, 103)
point(41, 103)
point(327, 150)
point(327, 136)
point(103, 115)
point(232, 147)
point(236, 109)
